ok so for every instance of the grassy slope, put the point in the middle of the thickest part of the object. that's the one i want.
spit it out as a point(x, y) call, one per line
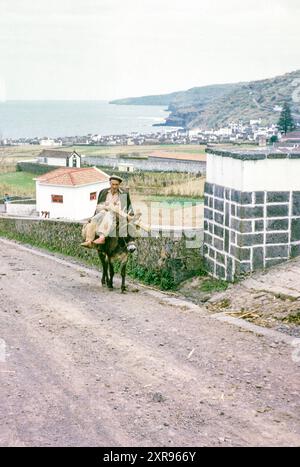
point(17, 183)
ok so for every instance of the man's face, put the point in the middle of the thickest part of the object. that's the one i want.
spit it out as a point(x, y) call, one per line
point(114, 185)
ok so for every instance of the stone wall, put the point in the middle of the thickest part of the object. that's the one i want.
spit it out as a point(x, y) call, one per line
point(161, 261)
point(20, 209)
point(249, 230)
point(150, 164)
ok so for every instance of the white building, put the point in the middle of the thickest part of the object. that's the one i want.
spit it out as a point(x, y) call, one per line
point(255, 122)
point(125, 167)
point(227, 131)
point(50, 142)
point(194, 132)
point(59, 158)
point(70, 193)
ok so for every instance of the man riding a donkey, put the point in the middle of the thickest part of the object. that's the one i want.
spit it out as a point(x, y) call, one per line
point(112, 229)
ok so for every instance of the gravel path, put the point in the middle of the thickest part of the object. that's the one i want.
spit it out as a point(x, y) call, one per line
point(84, 366)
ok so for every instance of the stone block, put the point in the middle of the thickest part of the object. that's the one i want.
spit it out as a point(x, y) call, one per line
point(219, 218)
point(273, 262)
point(245, 212)
point(218, 244)
point(258, 258)
point(220, 258)
point(208, 214)
point(246, 197)
point(219, 191)
point(278, 210)
point(295, 250)
point(229, 269)
point(227, 194)
point(278, 224)
point(218, 231)
point(295, 230)
point(218, 205)
point(220, 271)
point(296, 203)
point(278, 196)
point(277, 238)
point(277, 251)
point(207, 238)
point(226, 240)
point(250, 239)
point(259, 225)
point(259, 197)
point(212, 253)
point(227, 214)
point(210, 265)
point(236, 196)
point(209, 188)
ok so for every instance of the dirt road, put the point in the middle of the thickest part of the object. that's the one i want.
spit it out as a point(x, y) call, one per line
point(85, 366)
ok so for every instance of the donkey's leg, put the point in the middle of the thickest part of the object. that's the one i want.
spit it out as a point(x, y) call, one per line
point(111, 273)
point(123, 273)
point(103, 260)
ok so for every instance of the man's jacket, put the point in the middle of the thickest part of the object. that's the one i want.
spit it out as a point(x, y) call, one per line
point(124, 197)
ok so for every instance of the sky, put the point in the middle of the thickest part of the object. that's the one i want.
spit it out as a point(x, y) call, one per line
point(106, 49)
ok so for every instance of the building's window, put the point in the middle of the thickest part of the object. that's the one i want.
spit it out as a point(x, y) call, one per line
point(57, 198)
point(74, 162)
point(93, 196)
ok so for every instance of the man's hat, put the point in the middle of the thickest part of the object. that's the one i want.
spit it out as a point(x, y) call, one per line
point(116, 177)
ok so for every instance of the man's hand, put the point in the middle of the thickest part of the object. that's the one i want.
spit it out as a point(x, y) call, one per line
point(101, 207)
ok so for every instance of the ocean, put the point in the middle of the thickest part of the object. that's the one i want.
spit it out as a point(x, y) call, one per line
point(21, 119)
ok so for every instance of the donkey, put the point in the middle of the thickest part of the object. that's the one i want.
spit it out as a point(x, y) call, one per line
point(118, 246)
point(114, 248)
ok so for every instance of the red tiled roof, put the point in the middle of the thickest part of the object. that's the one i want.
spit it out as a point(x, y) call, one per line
point(68, 176)
point(183, 156)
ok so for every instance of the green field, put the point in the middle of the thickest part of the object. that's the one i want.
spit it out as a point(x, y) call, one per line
point(14, 153)
point(169, 201)
point(17, 183)
point(141, 150)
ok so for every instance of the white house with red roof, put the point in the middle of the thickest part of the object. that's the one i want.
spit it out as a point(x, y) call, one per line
point(69, 193)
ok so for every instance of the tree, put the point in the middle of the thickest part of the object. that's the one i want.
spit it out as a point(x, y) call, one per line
point(274, 139)
point(286, 122)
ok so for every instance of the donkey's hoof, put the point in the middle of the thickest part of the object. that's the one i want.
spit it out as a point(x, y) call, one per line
point(123, 290)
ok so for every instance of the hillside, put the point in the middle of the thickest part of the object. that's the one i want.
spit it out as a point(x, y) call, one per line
point(216, 105)
point(159, 99)
point(197, 95)
point(250, 100)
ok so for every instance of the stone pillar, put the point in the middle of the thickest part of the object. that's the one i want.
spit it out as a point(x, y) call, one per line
point(252, 210)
